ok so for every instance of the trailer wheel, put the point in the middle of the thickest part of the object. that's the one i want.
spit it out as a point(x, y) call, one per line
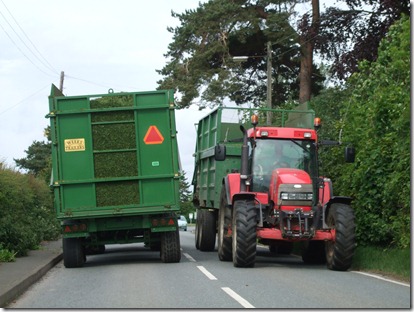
point(244, 233)
point(73, 253)
point(170, 247)
point(224, 225)
point(206, 230)
point(339, 253)
point(197, 230)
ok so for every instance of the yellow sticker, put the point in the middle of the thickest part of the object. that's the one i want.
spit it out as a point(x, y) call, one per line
point(74, 145)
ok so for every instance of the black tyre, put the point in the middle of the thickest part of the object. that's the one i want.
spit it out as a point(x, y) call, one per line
point(197, 229)
point(170, 247)
point(339, 253)
point(73, 253)
point(224, 225)
point(313, 252)
point(244, 234)
point(207, 230)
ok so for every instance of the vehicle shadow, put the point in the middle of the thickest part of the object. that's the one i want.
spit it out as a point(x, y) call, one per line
point(123, 254)
point(265, 258)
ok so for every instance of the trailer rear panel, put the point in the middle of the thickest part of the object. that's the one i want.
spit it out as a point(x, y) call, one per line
point(114, 154)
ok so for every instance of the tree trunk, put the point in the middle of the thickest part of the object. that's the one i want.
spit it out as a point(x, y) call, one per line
point(307, 44)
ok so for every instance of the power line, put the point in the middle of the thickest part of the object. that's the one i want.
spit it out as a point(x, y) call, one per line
point(26, 98)
point(48, 67)
point(21, 51)
point(31, 42)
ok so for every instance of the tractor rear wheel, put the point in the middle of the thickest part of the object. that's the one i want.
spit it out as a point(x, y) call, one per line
point(224, 225)
point(73, 253)
point(339, 252)
point(170, 247)
point(244, 233)
point(206, 230)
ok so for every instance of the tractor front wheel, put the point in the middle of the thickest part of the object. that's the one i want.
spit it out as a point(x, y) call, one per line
point(244, 233)
point(339, 252)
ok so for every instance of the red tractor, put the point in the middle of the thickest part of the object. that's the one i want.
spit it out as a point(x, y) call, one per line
point(278, 198)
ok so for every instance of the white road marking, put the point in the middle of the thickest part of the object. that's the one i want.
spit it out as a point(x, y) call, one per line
point(382, 278)
point(207, 273)
point(238, 298)
point(189, 257)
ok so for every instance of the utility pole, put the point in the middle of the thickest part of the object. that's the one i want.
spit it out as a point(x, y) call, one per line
point(62, 77)
point(269, 83)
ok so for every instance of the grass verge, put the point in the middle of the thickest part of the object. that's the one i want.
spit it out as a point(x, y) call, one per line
point(394, 263)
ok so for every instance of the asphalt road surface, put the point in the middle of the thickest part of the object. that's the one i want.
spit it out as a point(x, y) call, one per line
point(132, 276)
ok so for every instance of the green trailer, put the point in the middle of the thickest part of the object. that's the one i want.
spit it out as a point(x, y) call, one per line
point(115, 172)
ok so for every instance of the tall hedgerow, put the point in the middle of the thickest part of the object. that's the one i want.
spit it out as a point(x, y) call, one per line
point(26, 212)
point(375, 118)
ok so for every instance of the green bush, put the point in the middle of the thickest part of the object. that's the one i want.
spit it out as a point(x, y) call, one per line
point(26, 212)
point(373, 113)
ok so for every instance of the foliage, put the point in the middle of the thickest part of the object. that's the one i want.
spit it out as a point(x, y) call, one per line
point(186, 205)
point(26, 212)
point(6, 255)
point(38, 161)
point(201, 54)
point(348, 36)
point(375, 115)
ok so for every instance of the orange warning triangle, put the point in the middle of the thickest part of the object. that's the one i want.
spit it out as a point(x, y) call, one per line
point(153, 136)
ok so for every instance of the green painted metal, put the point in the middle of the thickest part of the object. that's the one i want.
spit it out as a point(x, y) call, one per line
point(114, 155)
point(222, 126)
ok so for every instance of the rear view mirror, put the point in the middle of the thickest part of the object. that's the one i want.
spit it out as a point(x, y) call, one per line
point(220, 152)
point(349, 154)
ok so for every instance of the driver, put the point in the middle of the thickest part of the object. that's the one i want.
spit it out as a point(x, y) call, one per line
point(271, 160)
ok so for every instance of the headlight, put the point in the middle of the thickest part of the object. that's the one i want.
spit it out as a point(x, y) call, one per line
point(296, 196)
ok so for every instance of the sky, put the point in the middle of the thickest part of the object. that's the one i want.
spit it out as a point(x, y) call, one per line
point(99, 44)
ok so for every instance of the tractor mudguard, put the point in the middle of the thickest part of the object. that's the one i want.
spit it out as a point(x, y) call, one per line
point(333, 200)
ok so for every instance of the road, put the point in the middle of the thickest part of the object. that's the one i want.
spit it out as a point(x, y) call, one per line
point(131, 276)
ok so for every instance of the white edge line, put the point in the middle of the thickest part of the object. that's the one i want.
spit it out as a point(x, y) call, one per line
point(382, 278)
point(189, 257)
point(206, 273)
point(236, 297)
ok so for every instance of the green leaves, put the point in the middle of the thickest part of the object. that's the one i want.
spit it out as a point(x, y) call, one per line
point(200, 62)
point(26, 212)
point(376, 121)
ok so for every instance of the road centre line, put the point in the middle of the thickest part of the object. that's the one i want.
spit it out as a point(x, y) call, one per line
point(206, 273)
point(238, 298)
point(189, 257)
point(382, 278)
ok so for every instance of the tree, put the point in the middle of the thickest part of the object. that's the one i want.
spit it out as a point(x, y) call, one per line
point(186, 205)
point(201, 55)
point(38, 160)
point(375, 118)
point(348, 36)
point(307, 43)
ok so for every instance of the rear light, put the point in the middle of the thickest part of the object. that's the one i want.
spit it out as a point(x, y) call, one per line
point(73, 228)
point(162, 222)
